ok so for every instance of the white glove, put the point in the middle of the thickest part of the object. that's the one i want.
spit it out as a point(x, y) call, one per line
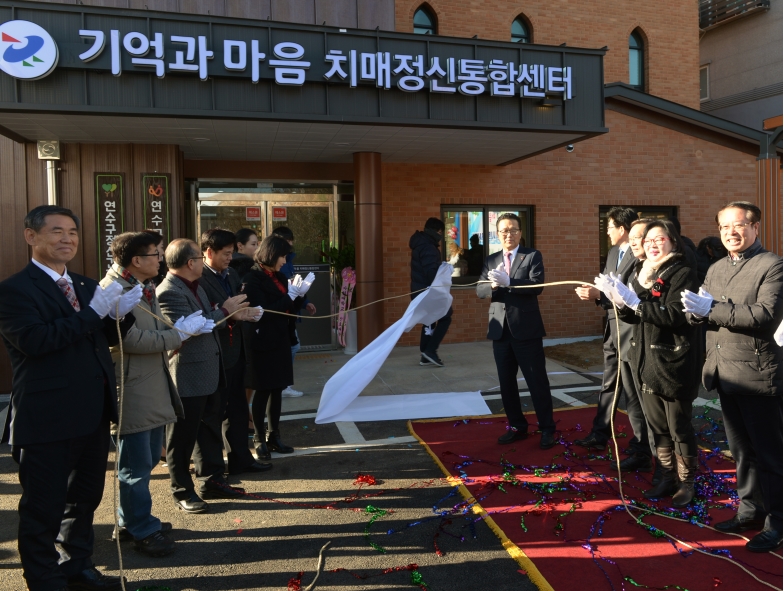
point(304, 286)
point(207, 327)
point(294, 292)
point(779, 335)
point(499, 277)
point(128, 301)
point(191, 325)
point(105, 300)
point(622, 292)
point(698, 304)
point(604, 284)
point(259, 311)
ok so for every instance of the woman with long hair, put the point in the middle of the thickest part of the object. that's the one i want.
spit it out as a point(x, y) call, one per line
point(664, 354)
point(269, 365)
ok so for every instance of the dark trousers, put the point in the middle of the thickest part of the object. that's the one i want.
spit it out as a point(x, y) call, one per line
point(430, 343)
point(197, 434)
point(643, 441)
point(605, 411)
point(62, 485)
point(753, 425)
point(528, 355)
point(235, 418)
point(266, 403)
point(670, 421)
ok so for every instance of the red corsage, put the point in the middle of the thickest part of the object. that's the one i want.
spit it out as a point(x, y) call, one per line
point(656, 289)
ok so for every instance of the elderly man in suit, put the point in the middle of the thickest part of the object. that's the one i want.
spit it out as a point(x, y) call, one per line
point(57, 327)
point(197, 370)
point(516, 329)
point(620, 261)
point(740, 302)
point(220, 282)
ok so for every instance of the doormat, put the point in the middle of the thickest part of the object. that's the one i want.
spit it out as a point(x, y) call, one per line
point(559, 514)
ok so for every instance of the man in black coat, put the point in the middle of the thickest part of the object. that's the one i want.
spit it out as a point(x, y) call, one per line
point(57, 327)
point(425, 261)
point(620, 261)
point(516, 329)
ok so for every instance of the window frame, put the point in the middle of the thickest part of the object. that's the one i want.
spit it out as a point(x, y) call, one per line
point(485, 209)
point(705, 67)
point(641, 49)
point(528, 29)
point(430, 13)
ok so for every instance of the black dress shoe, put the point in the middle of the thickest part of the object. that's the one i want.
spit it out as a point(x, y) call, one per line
point(156, 544)
point(737, 525)
point(592, 442)
point(262, 453)
point(275, 444)
point(193, 504)
point(512, 435)
point(92, 579)
point(765, 541)
point(125, 535)
point(635, 462)
point(547, 441)
point(217, 489)
point(255, 467)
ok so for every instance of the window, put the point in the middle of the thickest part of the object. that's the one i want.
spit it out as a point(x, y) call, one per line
point(470, 236)
point(704, 82)
point(424, 21)
point(636, 61)
point(643, 211)
point(521, 31)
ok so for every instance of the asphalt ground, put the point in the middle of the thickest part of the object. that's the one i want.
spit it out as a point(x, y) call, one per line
point(265, 540)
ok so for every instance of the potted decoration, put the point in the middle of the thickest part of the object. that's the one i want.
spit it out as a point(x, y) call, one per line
point(342, 263)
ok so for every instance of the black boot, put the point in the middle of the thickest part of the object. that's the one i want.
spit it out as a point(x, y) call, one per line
point(687, 470)
point(657, 473)
point(668, 484)
point(275, 444)
point(262, 453)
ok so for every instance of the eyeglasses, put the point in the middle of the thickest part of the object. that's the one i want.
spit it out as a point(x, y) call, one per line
point(658, 241)
point(635, 239)
point(154, 254)
point(513, 232)
point(737, 226)
point(609, 227)
point(202, 259)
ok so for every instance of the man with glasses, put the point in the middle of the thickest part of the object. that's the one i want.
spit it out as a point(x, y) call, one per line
point(197, 370)
point(516, 329)
point(620, 261)
point(741, 303)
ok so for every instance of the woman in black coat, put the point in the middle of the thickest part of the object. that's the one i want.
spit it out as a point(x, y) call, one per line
point(665, 355)
point(269, 365)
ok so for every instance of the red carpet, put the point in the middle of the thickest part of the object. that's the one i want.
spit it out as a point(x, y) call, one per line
point(577, 536)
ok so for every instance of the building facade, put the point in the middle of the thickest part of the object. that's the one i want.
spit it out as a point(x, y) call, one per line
point(364, 158)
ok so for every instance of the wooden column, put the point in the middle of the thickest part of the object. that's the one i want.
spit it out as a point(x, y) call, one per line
point(370, 261)
point(770, 202)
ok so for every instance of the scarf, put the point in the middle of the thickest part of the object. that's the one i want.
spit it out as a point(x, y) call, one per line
point(148, 287)
point(275, 280)
point(650, 271)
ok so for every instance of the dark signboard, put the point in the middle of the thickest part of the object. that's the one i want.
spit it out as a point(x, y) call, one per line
point(156, 203)
point(109, 197)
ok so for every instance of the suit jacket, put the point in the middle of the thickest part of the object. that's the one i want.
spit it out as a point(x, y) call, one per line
point(611, 266)
point(196, 366)
point(230, 333)
point(63, 375)
point(519, 308)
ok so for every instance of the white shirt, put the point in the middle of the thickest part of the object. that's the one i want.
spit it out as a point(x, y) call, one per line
point(52, 273)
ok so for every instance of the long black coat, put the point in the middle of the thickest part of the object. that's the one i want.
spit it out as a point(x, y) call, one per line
point(425, 258)
point(665, 349)
point(269, 341)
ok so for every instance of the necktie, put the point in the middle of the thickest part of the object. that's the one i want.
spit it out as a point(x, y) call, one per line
point(620, 258)
point(508, 262)
point(69, 294)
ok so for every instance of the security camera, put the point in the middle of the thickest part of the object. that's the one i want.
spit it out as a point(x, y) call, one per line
point(570, 148)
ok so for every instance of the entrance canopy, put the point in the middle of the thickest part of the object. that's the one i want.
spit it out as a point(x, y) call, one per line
point(236, 89)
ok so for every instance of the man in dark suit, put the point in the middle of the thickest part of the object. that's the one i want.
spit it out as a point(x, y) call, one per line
point(57, 327)
point(220, 282)
point(516, 329)
point(620, 261)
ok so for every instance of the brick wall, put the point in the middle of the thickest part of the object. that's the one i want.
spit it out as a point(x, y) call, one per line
point(670, 31)
point(637, 163)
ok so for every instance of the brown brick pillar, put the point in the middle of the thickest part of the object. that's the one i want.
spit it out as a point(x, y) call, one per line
point(770, 202)
point(370, 261)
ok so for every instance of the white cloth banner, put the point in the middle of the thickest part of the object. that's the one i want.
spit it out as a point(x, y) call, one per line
point(344, 387)
point(414, 406)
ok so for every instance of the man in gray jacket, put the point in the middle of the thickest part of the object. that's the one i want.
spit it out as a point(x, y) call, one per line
point(197, 371)
point(741, 302)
